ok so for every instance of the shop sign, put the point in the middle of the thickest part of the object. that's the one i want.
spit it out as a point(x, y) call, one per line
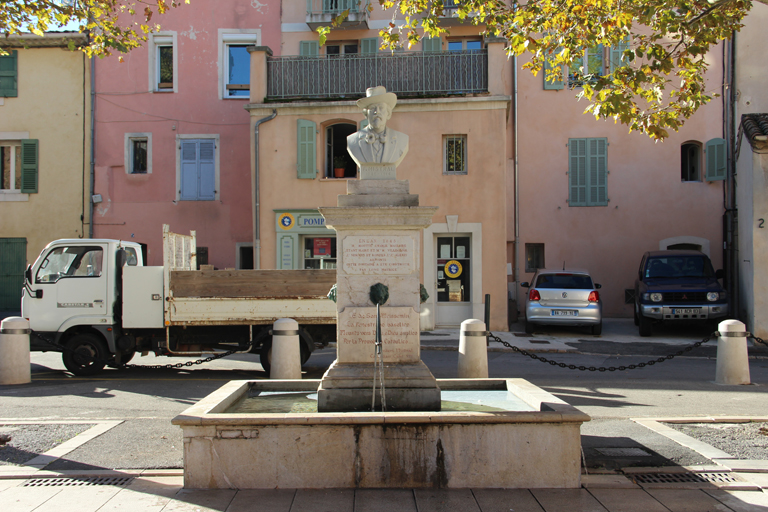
point(286, 221)
point(453, 269)
point(322, 247)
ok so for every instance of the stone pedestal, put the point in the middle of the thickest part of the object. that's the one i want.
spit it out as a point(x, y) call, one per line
point(378, 235)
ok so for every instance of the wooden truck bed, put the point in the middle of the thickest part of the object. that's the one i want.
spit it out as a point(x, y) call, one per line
point(250, 297)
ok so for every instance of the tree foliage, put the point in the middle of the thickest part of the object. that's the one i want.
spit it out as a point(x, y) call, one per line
point(111, 24)
point(659, 80)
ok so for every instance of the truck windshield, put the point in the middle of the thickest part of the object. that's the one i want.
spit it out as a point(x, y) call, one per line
point(679, 266)
point(70, 261)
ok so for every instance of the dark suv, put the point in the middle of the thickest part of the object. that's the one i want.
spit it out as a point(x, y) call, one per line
point(677, 285)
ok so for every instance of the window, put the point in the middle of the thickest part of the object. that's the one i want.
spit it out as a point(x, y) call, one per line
point(198, 170)
point(319, 252)
point(454, 269)
point(456, 45)
point(235, 61)
point(534, 257)
point(587, 172)
point(432, 44)
point(70, 262)
point(9, 75)
point(138, 153)
point(336, 154)
point(455, 151)
point(715, 160)
point(690, 161)
point(163, 62)
point(18, 167)
point(335, 48)
point(587, 67)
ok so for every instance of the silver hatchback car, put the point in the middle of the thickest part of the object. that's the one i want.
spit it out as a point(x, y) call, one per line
point(563, 297)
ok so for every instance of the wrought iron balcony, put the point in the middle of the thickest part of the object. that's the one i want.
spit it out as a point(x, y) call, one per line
point(322, 12)
point(404, 73)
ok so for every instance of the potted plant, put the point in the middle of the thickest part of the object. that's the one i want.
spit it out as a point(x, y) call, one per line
point(339, 166)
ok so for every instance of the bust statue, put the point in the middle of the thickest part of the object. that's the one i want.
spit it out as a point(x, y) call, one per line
point(377, 146)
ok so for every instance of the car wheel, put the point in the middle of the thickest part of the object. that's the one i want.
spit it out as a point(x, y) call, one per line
point(529, 327)
point(85, 354)
point(597, 330)
point(305, 353)
point(645, 325)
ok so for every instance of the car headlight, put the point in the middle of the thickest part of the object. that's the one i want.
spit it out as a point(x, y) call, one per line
point(656, 297)
point(712, 296)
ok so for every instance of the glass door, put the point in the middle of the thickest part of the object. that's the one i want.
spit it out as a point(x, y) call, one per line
point(454, 283)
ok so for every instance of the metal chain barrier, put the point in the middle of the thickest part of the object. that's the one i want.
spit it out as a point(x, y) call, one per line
point(755, 338)
point(169, 366)
point(603, 368)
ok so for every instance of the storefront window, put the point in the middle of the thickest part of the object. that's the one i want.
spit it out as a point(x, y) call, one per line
point(453, 269)
point(319, 252)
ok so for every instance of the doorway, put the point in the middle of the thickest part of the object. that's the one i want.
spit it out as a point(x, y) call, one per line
point(454, 279)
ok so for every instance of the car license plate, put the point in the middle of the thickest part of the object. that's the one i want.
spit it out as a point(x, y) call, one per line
point(564, 312)
point(686, 311)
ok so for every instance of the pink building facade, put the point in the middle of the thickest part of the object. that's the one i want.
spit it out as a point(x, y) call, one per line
point(171, 133)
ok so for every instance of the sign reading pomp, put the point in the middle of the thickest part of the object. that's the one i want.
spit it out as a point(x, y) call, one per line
point(399, 335)
point(378, 255)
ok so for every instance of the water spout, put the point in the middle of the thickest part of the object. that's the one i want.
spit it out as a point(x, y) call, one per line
point(378, 365)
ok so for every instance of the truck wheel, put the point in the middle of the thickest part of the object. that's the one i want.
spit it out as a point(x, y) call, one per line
point(645, 325)
point(265, 354)
point(85, 354)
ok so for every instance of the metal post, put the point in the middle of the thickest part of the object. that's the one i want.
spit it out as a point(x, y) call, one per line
point(732, 357)
point(487, 315)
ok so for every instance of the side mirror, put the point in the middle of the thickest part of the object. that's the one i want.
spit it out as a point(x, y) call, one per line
point(28, 274)
point(525, 284)
point(598, 286)
point(38, 294)
point(719, 273)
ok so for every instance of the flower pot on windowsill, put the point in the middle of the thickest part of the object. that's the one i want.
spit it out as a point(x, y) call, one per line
point(338, 172)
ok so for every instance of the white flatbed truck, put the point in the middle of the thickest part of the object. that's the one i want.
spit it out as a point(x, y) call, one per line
point(96, 302)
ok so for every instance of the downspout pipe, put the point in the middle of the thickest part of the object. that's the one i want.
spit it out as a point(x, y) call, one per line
point(256, 233)
point(93, 147)
point(517, 181)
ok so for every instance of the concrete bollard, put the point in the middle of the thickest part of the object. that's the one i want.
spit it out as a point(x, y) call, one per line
point(286, 353)
point(473, 351)
point(14, 351)
point(732, 356)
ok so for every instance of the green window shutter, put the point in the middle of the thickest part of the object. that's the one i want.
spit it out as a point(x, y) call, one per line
point(577, 172)
point(309, 48)
point(597, 177)
point(557, 84)
point(615, 55)
point(369, 46)
point(432, 44)
point(715, 160)
point(9, 75)
point(306, 168)
point(29, 163)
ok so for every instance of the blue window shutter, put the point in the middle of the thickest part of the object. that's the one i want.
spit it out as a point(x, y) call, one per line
point(188, 170)
point(715, 160)
point(30, 158)
point(207, 170)
point(548, 84)
point(9, 75)
point(577, 172)
point(597, 178)
point(306, 167)
point(369, 46)
point(432, 44)
point(615, 55)
point(309, 48)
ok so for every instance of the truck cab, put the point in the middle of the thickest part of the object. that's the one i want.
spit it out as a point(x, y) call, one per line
point(70, 292)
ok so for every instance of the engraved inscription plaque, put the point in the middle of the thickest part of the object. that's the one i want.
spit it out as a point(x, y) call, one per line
point(399, 334)
point(378, 255)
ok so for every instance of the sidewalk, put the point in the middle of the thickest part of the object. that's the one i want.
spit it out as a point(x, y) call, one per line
point(162, 491)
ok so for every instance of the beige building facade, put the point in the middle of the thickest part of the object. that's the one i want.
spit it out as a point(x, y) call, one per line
point(45, 142)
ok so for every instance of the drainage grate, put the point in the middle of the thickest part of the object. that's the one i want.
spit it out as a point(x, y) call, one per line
point(623, 452)
point(79, 482)
point(522, 335)
point(540, 342)
point(686, 478)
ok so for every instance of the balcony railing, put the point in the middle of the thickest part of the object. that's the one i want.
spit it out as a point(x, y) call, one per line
point(323, 12)
point(404, 73)
point(333, 6)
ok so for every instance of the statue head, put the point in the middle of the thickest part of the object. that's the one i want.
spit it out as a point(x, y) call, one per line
point(377, 107)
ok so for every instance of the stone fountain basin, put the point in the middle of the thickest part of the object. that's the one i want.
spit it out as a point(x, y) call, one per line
point(539, 447)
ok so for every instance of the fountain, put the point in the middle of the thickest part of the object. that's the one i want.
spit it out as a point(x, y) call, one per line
point(415, 431)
